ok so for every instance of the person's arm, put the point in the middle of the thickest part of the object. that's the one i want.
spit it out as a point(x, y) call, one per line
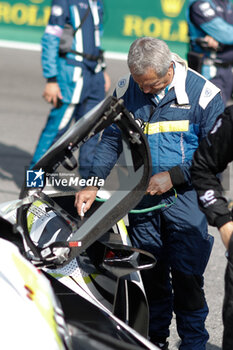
point(107, 82)
point(226, 232)
point(211, 158)
point(159, 183)
point(211, 42)
point(50, 48)
point(51, 39)
point(107, 152)
point(180, 174)
point(204, 16)
point(84, 199)
point(52, 93)
point(106, 155)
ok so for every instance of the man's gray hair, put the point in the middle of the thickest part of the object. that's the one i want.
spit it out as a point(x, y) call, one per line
point(149, 52)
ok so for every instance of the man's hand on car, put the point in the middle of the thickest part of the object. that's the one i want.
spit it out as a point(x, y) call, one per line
point(87, 197)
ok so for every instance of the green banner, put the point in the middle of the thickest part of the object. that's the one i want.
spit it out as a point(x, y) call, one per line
point(124, 21)
point(23, 20)
point(127, 20)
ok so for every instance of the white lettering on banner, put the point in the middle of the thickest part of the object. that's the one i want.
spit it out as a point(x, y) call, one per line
point(164, 28)
point(23, 14)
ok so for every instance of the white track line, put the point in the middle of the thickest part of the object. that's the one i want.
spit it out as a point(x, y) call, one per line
point(37, 47)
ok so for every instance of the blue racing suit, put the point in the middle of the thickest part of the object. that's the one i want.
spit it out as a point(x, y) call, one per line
point(80, 78)
point(176, 235)
point(214, 18)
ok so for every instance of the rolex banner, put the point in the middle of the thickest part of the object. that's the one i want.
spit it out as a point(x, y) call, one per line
point(124, 21)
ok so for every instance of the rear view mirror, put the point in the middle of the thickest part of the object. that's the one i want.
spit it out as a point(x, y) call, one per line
point(121, 260)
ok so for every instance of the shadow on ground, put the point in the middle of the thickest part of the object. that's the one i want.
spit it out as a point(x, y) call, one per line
point(212, 347)
point(13, 162)
point(208, 346)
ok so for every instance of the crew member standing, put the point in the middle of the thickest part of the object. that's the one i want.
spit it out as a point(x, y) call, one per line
point(177, 107)
point(73, 64)
point(213, 155)
point(212, 21)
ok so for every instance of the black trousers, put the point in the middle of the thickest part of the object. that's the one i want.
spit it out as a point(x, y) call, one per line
point(228, 302)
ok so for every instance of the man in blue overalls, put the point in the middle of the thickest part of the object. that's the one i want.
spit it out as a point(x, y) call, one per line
point(177, 107)
point(75, 79)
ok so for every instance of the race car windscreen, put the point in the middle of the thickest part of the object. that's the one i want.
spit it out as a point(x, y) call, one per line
point(59, 175)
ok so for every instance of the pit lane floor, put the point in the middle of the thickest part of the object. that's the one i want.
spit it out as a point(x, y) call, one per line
point(23, 114)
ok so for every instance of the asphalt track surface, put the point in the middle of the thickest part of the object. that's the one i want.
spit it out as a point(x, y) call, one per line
point(23, 113)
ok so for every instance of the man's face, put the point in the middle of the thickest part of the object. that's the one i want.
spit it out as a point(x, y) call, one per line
point(150, 83)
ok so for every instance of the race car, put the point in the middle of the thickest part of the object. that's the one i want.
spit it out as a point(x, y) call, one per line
point(92, 267)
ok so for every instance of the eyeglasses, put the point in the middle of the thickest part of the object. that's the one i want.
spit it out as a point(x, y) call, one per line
point(150, 81)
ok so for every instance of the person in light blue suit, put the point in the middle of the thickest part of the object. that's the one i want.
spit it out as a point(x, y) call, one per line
point(212, 20)
point(75, 75)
